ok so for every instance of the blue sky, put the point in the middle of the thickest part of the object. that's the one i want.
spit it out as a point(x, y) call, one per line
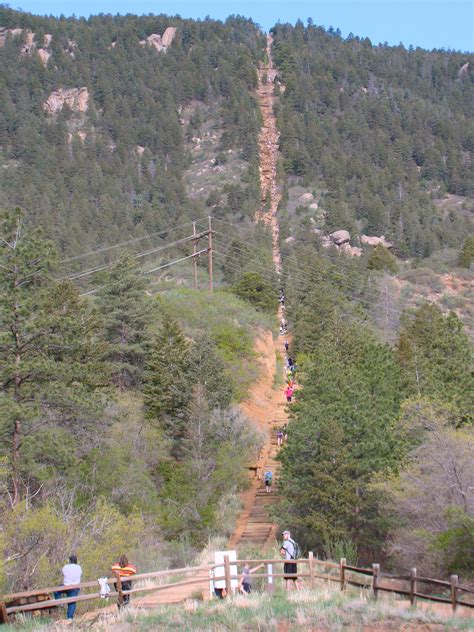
point(426, 23)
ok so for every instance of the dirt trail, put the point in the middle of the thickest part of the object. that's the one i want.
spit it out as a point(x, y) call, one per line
point(266, 405)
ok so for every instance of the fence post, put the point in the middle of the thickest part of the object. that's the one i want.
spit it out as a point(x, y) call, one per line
point(227, 574)
point(342, 573)
point(375, 579)
point(3, 613)
point(311, 568)
point(119, 588)
point(413, 586)
point(454, 591)
point(270, 584)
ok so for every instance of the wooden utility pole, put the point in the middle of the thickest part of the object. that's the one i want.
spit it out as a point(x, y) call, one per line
point(195, 258)
point(210, 256)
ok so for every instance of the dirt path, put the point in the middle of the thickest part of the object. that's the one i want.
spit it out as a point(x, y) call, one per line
point(266, 405)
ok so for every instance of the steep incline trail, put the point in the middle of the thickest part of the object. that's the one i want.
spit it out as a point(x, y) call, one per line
point(255, 525)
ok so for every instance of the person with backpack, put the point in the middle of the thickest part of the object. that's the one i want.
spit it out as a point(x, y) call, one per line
point(289, 393)
point(290, 551)
point(268, 477)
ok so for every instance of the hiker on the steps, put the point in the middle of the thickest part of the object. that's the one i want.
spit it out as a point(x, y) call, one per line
point(290, 551)
point(287, 345)
point(289, 393)
point(285, 432)
point(124, 569)
point(268, 478)
point(279, 438)
point(245, 584)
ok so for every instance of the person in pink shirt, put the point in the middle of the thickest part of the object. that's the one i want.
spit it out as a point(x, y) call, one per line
point(289, 393)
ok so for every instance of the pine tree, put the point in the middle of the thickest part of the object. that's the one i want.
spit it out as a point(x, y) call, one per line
point(435, 358)
point(49, 367)
point(125, 310)
point(167, 387)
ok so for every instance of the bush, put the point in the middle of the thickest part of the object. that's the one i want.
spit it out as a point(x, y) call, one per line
point(254, 289)
point(381, 259)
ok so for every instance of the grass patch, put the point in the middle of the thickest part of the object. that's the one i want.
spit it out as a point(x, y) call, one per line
point(325, 608)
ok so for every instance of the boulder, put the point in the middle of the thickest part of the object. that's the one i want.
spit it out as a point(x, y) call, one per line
point(47, 39)
point(340, 237)
point(168, 36)
point(77, 99)
point(306, 198)
point(314, 206)
point(289, 240)
point(367, 240)
point(352, 251)
point(326, 242)
point(153, 40)
point(140, 150)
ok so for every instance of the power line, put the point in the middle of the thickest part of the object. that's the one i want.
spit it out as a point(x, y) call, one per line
point(78, 275)
point(131, 241)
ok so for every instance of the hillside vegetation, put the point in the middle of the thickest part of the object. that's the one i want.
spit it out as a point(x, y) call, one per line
point(113, 164)
point(378, 134)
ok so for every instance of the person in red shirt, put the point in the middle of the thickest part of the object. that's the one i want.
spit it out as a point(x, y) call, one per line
point(124, 569)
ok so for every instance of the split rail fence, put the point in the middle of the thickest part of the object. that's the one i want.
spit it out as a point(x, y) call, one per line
point(314, 569)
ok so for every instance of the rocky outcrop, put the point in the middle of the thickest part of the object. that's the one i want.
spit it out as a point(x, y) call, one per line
point(159, 42)
point(5, 32)
point(352, 251)
point(44, 55)
point(306, 198)
point(77, 100)
point(29, 44)
point(463, 70)
point(168, 36)
point(340, 237)
point(367, 240)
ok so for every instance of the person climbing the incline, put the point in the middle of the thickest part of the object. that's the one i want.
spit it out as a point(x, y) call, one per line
point(268, 478)
point(289, 393)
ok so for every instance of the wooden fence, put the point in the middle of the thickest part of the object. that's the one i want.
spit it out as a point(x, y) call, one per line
point(344, 574)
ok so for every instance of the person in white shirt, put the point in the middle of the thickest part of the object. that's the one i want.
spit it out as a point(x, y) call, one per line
point(288, 551)
point(72, 573)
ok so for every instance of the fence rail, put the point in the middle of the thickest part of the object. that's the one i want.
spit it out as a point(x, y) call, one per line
point(371, 578)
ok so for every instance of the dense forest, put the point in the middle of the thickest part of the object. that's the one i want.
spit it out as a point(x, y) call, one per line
point(378, 463)
point(379, 133)
point(115, 166)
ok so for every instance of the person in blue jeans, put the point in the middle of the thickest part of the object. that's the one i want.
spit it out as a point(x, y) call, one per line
point(72, 573)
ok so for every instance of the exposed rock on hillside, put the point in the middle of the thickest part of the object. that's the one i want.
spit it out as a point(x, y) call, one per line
point(44, 55)
point(367, 240)
point(306, 197)
point(77, 99)
point(340, 237)
point(158, 42)
point(5, 32)
point(168, 36)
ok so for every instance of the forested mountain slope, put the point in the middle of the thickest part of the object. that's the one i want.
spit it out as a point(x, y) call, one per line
point(378, 133)
point(110, 161)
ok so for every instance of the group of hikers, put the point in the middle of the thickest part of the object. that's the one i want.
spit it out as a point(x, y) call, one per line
point(72, 573)
point(289, 551)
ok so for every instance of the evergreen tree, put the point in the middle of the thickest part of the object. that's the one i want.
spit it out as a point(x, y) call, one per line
point(125, 311)
point(167, 387)
point(49, 367)
point(435, 358)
